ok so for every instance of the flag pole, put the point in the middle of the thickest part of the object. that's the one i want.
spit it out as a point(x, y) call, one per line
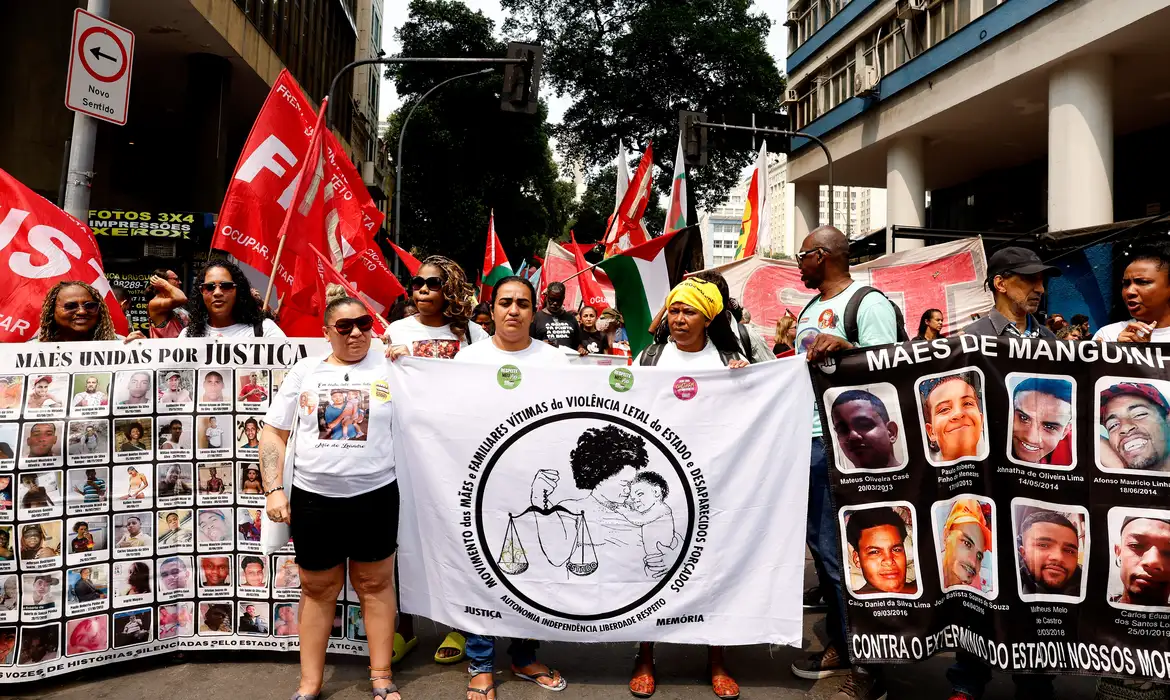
point(275, 269)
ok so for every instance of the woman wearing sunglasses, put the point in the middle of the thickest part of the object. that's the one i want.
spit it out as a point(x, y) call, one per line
point(444, 299)
point(339, 477)
point(74, 311)
point(223, 306)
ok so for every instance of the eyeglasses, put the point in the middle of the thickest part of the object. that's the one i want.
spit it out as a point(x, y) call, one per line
point(73, 306)
point(345, 326)
point(801, 256)
point(210, 287)
point(433, 283)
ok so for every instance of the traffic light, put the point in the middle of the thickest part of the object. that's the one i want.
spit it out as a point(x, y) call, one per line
point(694, 138)
point(522, 80)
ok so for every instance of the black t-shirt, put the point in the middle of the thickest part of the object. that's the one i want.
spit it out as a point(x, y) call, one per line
point(560, 330)
point(596, 343)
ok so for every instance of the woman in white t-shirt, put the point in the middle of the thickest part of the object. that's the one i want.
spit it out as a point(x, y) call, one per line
point(1145, 289)
point(445, 302)
point(225, 307)
point(700, 338)
point(343, 502)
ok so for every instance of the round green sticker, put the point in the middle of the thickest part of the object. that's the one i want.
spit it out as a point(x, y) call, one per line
point(621, 380)
point(508, 376)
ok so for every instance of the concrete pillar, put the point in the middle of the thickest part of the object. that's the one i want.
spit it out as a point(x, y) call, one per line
point(806, 201)
point(1080, 143)
point(905, 190)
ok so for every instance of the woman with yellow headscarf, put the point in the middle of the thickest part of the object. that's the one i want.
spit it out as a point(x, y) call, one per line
point(700, 337)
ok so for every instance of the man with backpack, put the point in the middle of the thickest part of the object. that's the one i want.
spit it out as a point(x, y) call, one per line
point(845, 314)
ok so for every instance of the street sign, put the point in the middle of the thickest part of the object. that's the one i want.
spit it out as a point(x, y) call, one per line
point(99, 68)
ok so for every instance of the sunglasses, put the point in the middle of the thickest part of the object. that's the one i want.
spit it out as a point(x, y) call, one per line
point(801, 256)
point(433, 283)
point(345, 326)
point(210, 287)
point(71, 306)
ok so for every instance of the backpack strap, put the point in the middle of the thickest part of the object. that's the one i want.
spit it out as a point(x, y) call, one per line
point(651, 355)
point(852, 333)
point(727, 357)
point(812, 301)
point(746, 341)
point(258, 328)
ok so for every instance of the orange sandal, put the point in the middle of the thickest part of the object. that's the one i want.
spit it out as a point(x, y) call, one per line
point(725, 687)
point(642, 684)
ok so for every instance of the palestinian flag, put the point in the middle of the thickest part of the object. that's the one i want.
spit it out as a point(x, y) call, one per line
point(676, 215)
point(495, 261)
point(642, 276)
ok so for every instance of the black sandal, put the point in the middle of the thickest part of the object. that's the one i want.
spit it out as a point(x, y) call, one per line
point(483, 691)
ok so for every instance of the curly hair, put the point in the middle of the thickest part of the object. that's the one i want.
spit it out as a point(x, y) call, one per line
point(49, 333)
point(245, 310)
point(458, 294)
point(603, 452)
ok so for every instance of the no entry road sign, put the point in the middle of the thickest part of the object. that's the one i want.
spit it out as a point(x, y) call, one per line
point(99, 68)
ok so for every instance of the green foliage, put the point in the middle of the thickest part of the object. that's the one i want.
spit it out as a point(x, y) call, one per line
point(462, 155)
point(631, 65)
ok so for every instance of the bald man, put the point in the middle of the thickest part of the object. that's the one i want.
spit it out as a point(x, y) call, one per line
point(820, 331)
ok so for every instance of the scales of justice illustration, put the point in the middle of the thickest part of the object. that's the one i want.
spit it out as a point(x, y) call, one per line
point(582, 561)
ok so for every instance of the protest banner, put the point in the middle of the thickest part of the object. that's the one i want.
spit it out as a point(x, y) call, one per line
point(1005, 497)
point(949, 277)
point(602, 504)
point(130, 504)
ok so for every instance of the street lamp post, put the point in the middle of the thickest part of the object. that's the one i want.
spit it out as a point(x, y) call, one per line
point(398, 163)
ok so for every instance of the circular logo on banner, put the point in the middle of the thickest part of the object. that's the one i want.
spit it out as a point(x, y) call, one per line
point(509, 376)
point(621, 380)
point(685, 388)
point(594, 531)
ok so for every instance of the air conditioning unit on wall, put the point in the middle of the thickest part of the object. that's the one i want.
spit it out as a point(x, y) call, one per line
point(793, 18)
point(906, 9)
point(790, 96)
point(866, 81)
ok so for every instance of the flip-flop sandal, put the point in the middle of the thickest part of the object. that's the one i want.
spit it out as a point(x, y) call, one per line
point(532, 678)
point(725, 687)
point(453, 640)
point(302, 696)
point(483, 691)
point(382, 693)
point(402, 647)
point(642, 685)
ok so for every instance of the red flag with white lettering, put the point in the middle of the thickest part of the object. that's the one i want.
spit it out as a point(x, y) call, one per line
point(265, 182)
point(42, 246)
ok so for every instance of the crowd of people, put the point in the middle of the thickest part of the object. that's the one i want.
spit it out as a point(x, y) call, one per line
point(699, 327)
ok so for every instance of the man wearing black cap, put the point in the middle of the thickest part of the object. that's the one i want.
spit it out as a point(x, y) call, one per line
point(1015, 277)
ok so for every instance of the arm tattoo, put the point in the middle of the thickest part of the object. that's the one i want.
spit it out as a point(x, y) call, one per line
point(271, 465)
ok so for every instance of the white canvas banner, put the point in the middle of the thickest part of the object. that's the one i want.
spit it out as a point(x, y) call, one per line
point(600, 504)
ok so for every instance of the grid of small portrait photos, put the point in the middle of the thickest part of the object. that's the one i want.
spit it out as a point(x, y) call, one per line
point(130, 514)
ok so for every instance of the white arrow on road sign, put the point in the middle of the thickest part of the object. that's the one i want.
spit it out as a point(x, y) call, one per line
point(99, 68)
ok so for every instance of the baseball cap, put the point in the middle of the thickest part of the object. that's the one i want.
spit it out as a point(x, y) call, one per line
point(172, 374)
point(1145, 391)
point(1018, 260)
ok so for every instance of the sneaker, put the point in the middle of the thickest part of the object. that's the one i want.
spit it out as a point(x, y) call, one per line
point(813, 600)
point(822, 664)
point(861, 685)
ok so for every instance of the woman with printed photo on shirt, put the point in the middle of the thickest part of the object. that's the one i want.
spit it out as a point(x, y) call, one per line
point(445, 302)
point(338, 481)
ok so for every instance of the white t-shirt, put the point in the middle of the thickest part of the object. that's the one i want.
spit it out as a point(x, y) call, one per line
point(673, 358)
point(214, 437)
point(1109, 333)
point(345, 447)
point(537, 353)
point(240, 330)
point(432, 341)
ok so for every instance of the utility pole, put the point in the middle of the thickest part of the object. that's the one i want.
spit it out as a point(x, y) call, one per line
point(79, 178)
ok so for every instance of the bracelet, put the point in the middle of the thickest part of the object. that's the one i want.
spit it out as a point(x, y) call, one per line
point(274, 490)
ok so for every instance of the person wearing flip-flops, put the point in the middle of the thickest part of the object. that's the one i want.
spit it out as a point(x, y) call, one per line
point(335, 482)
point(513, 305)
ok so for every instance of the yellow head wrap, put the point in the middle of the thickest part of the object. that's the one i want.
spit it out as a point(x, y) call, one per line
point(694, 292)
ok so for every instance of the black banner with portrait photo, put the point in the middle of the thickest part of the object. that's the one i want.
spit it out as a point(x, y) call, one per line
point(1004, 497)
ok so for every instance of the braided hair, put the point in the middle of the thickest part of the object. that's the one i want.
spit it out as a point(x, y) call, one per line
point(49, 332)
point(458, 294)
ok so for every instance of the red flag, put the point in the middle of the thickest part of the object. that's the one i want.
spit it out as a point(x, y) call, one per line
point(41, 246)
point(412, 263)
point(591, 293)
point(265, 183)
point(495, 262)
point(326, 275)
point(626, 229)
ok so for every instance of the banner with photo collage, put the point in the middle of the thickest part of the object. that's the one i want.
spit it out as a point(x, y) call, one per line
point(130, 504)
point(1004, 497)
